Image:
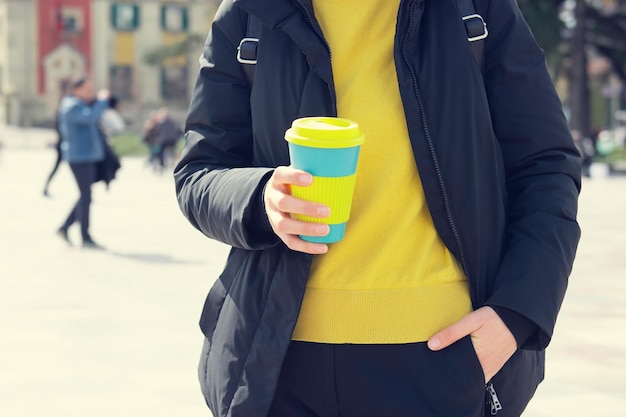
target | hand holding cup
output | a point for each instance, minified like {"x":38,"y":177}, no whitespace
{"x":281,"y":206}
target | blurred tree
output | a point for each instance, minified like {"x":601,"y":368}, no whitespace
{"x":189,"y":44}
{"x":570,"y":30}
{"x":607,"y":33}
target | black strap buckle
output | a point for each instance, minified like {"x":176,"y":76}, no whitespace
{"x":475,"y":27}
{"x":246,"y":51}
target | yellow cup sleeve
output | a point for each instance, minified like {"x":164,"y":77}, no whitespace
{"x":335,"y":192}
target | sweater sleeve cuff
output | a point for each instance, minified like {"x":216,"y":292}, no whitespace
{"x":521,"y":327}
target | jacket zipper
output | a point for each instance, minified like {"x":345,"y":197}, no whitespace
{"x":429,"y":141}
{"x":493,"y":400}
{"x":319,"y":33}
{"x":431,"y":147}
{"x":313,"y":23}
{"x":492,"y":397}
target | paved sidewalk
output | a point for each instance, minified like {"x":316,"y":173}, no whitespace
{"x":114,"y":333}
{"x":88,"y":333}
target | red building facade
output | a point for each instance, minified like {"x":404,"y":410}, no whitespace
{"x":64,"y":35}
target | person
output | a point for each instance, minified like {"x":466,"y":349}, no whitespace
{"x":161,"y":133}
{"x":57,"y":163}
{"x":82,"y":147}
{"x":443,"y":295}
{"x":57,"y":148}
{"x":152,"y":140}
{"x":169,"y":132}
{"x":586,"y":148}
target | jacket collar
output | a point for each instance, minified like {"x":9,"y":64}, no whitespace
{"x":273,"y":12}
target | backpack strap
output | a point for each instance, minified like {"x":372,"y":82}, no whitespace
{"x":476,"y":29}
{"x":247,"y":50}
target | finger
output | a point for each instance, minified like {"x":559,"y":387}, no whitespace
{"x":453,"y":333}
{"x":278,"y":193}
{"x":292,"y":205}
{"x":288,"y":229}
{"x":290,"y":176}
{"x":280,"y":205}
{"x":278,"y":198}
{"x":293,"y":242}
{"x":290,"y":226}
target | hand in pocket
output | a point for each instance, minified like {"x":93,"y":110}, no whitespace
{"x":493,"y":341}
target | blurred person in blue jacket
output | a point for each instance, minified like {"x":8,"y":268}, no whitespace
{"x":82,"y":147}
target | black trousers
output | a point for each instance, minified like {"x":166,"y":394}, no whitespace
{"x":408,"y":380}
{"x":85,"y":175}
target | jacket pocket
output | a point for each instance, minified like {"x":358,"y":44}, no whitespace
{"x":212,"y":307}
{"x":456,"y":380}
{"x":217,"y":294}
{"x":230,"y":320}
{"x":511,"y":389}
{"x":203,"y":372}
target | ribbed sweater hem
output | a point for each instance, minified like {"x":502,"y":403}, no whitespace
{"x":380,"y":316}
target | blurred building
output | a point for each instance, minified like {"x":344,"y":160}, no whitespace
{"x":145,"y":51}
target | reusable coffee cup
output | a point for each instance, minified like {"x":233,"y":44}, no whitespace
{"x":328,"y":149}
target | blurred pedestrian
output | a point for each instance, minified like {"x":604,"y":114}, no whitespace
{"x":443,"y":295}
{"x":57,"y":145}
{"x":82,"y":147}
{"x":162,"y":133}
{"x":57,"y":162}
{"x":152,"y":141}
{"x":169,"y":132}
{"x":586,"y":148}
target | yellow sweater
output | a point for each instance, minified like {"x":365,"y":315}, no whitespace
{"x":391,"y":279}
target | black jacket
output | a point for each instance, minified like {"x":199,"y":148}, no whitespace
{"x":106,"y":170}
{"x":499,"y":170}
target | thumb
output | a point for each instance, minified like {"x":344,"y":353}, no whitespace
{"x":453,"y":333}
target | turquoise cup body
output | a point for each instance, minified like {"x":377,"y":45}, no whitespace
{"x":328,"y":162}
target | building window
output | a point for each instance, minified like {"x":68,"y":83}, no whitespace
{"x":174,"y":18}
{"x":69,"y":20}
{"x":124,"y":16}
{"x":121,"y":81}
{"x":174,"y":81}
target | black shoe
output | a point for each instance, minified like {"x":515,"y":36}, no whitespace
{"x":62,"y":233}
{"x":90,"y":244}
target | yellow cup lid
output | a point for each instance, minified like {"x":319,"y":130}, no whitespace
{"x":325,"y":132}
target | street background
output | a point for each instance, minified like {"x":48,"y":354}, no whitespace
{"x":114,"y":333}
